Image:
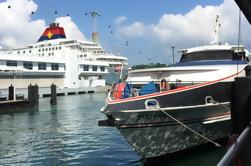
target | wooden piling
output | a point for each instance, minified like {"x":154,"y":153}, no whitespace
{"x":53,"y":100}
{"x":33,"y":94}
{"x":11,"y":92}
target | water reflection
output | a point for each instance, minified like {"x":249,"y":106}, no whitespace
{"x":67,"y":134}
{"x":60,"y":135}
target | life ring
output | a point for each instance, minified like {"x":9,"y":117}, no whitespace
{"x":164,"y":85}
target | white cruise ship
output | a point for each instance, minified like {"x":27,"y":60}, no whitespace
{"x":68,"y":63}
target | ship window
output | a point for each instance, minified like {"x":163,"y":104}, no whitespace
{"x":81,"y":56}
{"x":49,"y":49}
{"x":39,"y":50}
{"x":28,"y":65}
{"x":23,"y":52}
{"x":207,"y":55}
{"x":85,"y":55}
{"x":239,"y":56}
{"x":86,"y":68}
{"x":41,"y":66}
{"x":11,"y":63}
{"x":59,"y":47}
{"x":94,"y":68}
{"x":49,"y":54}
{"x":43,"y":49}
{"x":52,"y":48}
{"x":46,"y":49}
{"x":56,"y":48}
{"x":54,"y":66}
{"x":29,"y":51}
{"x":102,"y":68}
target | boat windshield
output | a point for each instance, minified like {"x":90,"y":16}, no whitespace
{"x":212,"y":55}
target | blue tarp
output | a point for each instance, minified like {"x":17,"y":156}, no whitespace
{"x":127,"y":91}
{"x":147,"y":89}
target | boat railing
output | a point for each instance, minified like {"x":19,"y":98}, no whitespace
{"x":239,"y":152}
{"x":135,"y":87}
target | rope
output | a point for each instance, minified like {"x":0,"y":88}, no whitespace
{"x":222,"y":105}
{"x":190,"y":129}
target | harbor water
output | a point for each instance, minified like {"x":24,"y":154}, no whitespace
{"x":68,"y":134}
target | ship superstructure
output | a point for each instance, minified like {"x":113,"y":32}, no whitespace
{"x":55,"y":59}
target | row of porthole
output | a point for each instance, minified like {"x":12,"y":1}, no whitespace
{"x":94,"y":68}
{"x":49,"y":49}
{"x":43,"y":49}
{"x":49,"y":54}
{"x":81,"y":56}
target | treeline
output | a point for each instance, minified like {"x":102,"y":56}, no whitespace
{"x":145,"y":66}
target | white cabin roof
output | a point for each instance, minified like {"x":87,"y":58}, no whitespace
{"x":226,"y":46}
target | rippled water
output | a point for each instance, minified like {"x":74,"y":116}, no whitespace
{"x":67,"y":134}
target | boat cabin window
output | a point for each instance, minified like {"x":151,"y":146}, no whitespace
{"x":208,"y":55}
{"x":41,"y":66}
{"x":94,"y":68}
{"x":28,"y":65}
{"x":102,"y":68}
{"x":11,"y":63}
{"x":86,"y":68}
{"x":240,"y":56}
{"x":54,"y":66}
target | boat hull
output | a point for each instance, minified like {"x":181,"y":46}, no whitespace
{"x":153,"y":133}
{"x":156,"y":141}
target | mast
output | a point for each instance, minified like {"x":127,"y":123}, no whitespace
{"x":216,"y":31}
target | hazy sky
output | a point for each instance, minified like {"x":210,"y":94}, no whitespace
{"x":142,"y":30}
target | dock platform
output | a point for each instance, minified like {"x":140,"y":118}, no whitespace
{"x":12,"y":103}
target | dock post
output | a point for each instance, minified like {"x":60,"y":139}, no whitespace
{"x":241,"y":104}
{"x":53,"y":100}
{"x":11,"y":92}
{"x":33,"y":94}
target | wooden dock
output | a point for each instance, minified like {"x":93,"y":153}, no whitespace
{"x":12,"y":103}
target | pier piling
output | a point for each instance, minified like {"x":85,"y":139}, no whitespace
{"x":53,"y":100}
{"x":11,"y":92}
{"x":241,"y":104}
{"x":33,"y":94}
{"x":239,"y":152}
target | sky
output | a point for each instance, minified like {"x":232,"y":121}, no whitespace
{"x":142,"y":30}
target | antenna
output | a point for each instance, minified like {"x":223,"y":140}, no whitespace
{"x":173,"y":53}
{"x":216,"y":31}
{"x":94,"y":16}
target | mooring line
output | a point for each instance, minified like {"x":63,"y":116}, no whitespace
{"x":229,"y":109}
{"x":190,"y":129}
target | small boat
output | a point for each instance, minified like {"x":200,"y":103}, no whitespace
{"x":165,"y":110}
